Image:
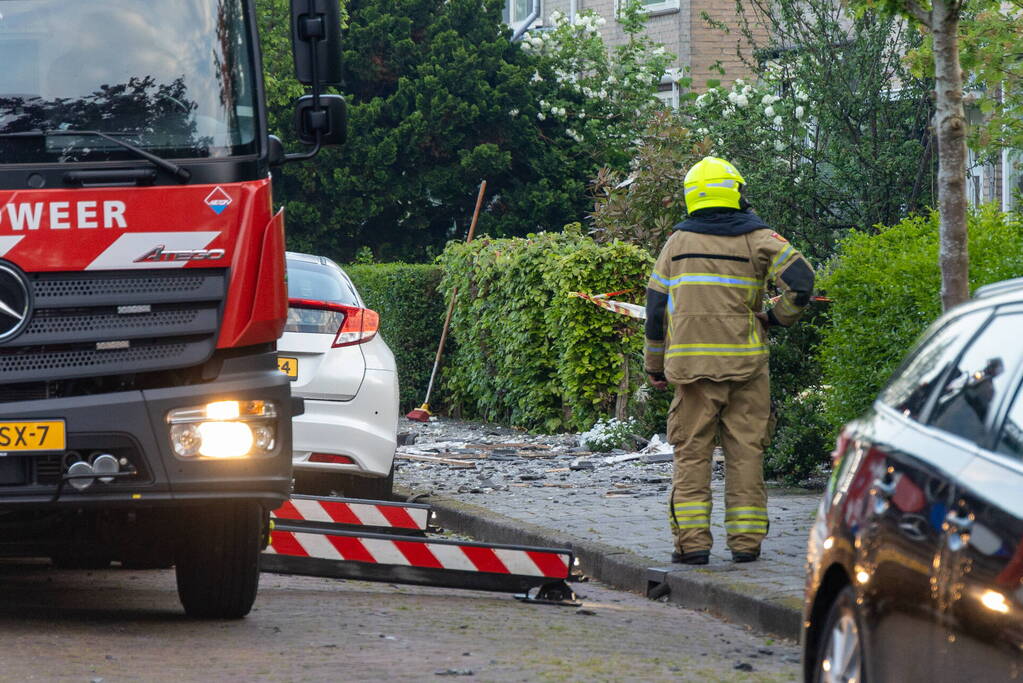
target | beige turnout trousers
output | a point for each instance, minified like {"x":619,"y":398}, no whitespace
{"x":738,"y":411}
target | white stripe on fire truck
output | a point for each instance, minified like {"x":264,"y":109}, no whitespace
{"x":8,"y":243}
{"x":125,"y":251}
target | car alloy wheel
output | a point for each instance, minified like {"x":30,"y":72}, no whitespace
{"x":842,"y":655}
{"x":840,"y":658}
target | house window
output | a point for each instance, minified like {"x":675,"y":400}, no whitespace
{"x":668,"y":90}
{"x":974,"y":179}
{"x":1012,"y":179}
{"x":517,"y":11}
{"x":653,"y":6}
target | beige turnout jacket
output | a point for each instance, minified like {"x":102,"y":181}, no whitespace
{"x":708,"y":282}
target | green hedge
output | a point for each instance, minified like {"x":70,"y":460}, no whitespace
{"x":527,"y":354}
{"x":886,"y":288}
{"x":411,"y":316}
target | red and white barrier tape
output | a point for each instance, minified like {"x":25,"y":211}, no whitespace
{"x":423,"y":554}
{"x":632,"y":310}
{"x":359,"y":514}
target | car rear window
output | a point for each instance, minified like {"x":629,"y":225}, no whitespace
{"x":320,"y":283}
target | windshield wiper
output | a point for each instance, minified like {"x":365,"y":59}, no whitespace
{"x":179,"y":172}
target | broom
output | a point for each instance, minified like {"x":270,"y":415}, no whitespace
{"x":422,"y":413}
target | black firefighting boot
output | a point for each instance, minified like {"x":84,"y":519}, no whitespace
{"x":745,"y":557}
{"x":695,"y":557}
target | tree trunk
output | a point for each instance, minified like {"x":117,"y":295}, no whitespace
{"x":622,"y":402}
{"x":950,"y":122}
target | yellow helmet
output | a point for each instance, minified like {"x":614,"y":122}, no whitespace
{"x":712,"y":182}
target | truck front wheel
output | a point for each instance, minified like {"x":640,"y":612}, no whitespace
{"x":218,"y":560}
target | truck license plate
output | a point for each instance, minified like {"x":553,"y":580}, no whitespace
{"x":289,"y":366}
{"x":19,"y":437}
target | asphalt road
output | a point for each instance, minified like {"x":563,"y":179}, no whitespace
{"x":119,"y":625}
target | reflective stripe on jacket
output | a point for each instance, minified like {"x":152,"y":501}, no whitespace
{"x":704,"y":291}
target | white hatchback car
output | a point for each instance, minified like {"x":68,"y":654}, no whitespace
{"x":331,"y":349}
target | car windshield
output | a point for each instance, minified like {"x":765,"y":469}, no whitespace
{"x":176,"y":78}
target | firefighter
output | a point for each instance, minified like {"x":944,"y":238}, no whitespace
{"x":706,"y":334}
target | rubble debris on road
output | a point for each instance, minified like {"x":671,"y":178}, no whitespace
{"x":451,"y":456}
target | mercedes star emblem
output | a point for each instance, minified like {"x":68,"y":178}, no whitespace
{"x":14,"y":302}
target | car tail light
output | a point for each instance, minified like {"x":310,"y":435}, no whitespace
{"x":841,"y":444}
{"x":349,"y":324}
{"x":334,"y":459}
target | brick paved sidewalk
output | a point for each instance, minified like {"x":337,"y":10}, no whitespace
{"x":641,"y":525}
{"x":635,"y":521}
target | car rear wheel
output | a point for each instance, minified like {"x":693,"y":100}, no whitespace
{"x":345,"y":485}
{"x":218,"y":561}
{"x":840,"y":656}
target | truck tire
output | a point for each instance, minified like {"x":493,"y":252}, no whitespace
{"x":218,"y":562}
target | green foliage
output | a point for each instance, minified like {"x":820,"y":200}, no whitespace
{"x":801,"y":441}
{"x":439,"y":99}
{"x":411,"y":316}
{"x":824,"y":140}
{"x":886,"y":290}
{"x":990,"y":42}
{"x":528,"y":354}
{"x":643,"y":211}
{"x":800,"y":447}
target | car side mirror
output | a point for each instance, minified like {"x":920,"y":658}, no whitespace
{"x":316,"y":41}
{"x":330,"y":119}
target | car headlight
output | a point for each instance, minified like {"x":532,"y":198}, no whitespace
{"x":224,"y":429}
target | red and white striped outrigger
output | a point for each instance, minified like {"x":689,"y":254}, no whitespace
{"x":358,"y":539}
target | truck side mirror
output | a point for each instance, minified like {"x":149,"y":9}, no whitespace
{"x":330,"y":118}
{"x":316,"y":41}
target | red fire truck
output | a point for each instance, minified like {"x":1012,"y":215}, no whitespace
{"x":142,"y":284}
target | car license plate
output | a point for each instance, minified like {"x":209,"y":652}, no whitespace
{"x":44,"y":435}
{"x":289,"y":366}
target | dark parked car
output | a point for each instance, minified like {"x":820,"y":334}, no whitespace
{"x":915,"y":562}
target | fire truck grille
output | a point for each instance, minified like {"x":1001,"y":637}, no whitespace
{"x":115,"y":323}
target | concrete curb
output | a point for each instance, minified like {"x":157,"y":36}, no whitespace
{"x":624,"y":569}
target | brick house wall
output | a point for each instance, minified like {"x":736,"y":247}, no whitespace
{"x":682,"y":31}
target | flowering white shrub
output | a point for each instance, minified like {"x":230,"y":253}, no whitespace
{"x":605,"y":97}
{"x":608,"y":434}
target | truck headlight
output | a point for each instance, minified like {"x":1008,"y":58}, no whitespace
{"x":224,"y":429}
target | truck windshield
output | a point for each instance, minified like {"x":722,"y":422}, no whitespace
{"x":175,"y":78}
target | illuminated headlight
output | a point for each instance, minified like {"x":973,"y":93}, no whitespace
{"x":224,"y":429}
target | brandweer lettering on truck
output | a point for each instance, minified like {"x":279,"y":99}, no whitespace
{"x":85,"y":215}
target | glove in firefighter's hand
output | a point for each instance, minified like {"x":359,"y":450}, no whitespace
{"x":658,"y":382}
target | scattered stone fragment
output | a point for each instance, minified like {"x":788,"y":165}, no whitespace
{"x":743,"y":666}
{"x":654,"y":458}
{"x":585,"y":612}
{"x":530,"y":477}
{"x":454,"y":672}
